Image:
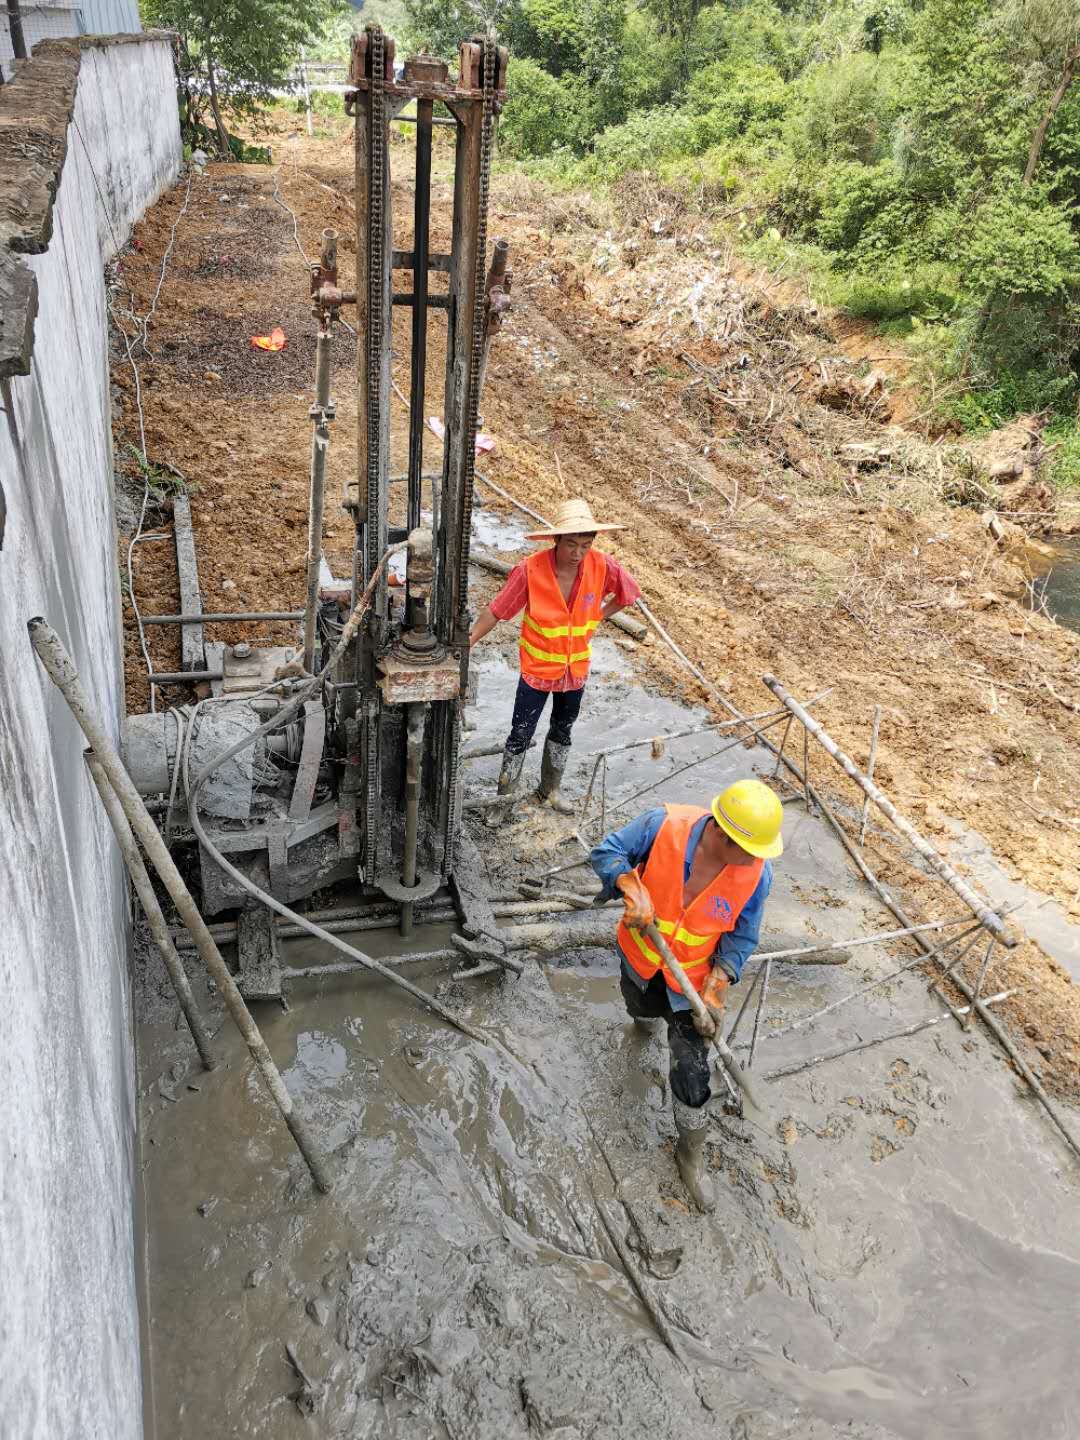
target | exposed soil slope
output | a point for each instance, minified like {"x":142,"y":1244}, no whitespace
{"x":775,"y":518}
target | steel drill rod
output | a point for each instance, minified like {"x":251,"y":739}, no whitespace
{"x":222,"y":615}
{"x":877,"y":939}
{"x":184,"y":677}
{"x":762,"y":1000}
{"x":880,"y":1039}
{"x":978,"y":906}
{"x":698,"y":1006}
{"x":159,"y":928}
{"x":61,"y":670}
{"x":320,"y":444}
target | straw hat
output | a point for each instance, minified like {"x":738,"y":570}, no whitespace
{"x":573,"y":517}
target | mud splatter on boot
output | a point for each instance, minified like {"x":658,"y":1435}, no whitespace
{"x":693,"y":1128}
{"x":551,"y":774}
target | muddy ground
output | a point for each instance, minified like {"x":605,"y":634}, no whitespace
{"x":894,"y":1252}
{"x":760,"y":537}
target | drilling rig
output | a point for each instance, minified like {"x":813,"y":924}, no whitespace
{"x":363,"y":784}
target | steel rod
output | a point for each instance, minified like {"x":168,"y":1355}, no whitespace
{"x":880,"y":1039}
{"x":349,"y":967}
{"x":223,"y":615}
{"x":418,"y":353}
{"x":321,"y":414}
{"x":746,"y":1002}
{"x":871,"y":762}
{"x":159,"y":928}
{"x":979,"y":908}
{"x":414,"y":743}
{"x":877,"y":939}
{"x":61,"y":670}
{"x":184,"y":677}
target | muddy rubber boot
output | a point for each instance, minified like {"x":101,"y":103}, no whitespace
{"x":643,"y":1028}
{"x":693,"y":1128}
{"x":510,"y":775}
{"x":551,"y":773}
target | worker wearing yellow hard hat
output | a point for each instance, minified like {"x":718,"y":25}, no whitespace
{"x":702,"y":876}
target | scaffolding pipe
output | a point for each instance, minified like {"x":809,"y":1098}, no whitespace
{"x":322,"y":412}
{"x":159,"y":929}
{"x":988,"y":918}
{"x":61,"y":670}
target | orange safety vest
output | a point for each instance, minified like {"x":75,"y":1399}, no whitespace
{"x":555,"y":639}
{"x":692,"y":933}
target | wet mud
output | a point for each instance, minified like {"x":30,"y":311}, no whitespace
{"x":894,"y":1252}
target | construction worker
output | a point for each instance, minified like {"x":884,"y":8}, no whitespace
{"x":565,"y":592}
{"x":703,"y":877}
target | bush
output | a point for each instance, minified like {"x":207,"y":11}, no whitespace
{"x":730,"y":99}
{"x":845,"y":111}
{"x":1065,"y":464}
{"x":542,"y":113}
{"x":643,"y":141}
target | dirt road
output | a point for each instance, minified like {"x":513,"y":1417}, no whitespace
{"x":774,"y":519}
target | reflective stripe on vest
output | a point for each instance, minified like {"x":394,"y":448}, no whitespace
{"x":551,"y":636}
{"x":693,"y":932}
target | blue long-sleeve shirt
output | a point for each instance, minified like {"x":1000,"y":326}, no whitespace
{"x":629,"y":847}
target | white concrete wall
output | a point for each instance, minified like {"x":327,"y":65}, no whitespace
{"x":69,"y":1328}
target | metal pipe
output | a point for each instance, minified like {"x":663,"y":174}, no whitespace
{"x":414,"y":744}
{"x":223,"y":615}
{"x":15,"y":25}
{"x":421,"y":245}
{"x":184,"y":677}
{"x":321,"y":413}
{"x":975,"y":902}
{"x":435,"y":119}
{"x":61,"y":670}
{"x":159,"y":929}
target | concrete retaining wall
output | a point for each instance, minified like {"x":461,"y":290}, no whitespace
{"x":69,"y":1348}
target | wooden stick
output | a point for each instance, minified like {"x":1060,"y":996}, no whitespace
{"x":871,"y":985}
{"x":979,"y":908}
{"x":760,"y":1011}
{"x":869,"y":772}
{"x":159,"y":928}
{"x":61,"y":670}
{"x":712,"y":1030}
{"x":878,"y":1040}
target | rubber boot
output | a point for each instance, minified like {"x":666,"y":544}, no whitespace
{"x":551,"y":773}
{"x":644,"y":1027}
{"x":693,"y":1128}
{"x":513,"y":762}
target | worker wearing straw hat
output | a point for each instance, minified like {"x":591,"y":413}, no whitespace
{"x":702,"y":877}
{"x":564,"y":593}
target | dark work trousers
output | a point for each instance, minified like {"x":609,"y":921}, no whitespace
{"x":689,"y":1051}
{"x":528,"y":706}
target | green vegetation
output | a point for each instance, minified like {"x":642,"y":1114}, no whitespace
{"x":919,"y":161}
{"x":233,"y":55}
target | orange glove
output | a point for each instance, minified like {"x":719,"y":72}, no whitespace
{"x":639,"y":910}
{"x":714,"y":993}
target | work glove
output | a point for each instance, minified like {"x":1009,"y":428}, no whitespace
{"x":639,"y":910}
{"x":714,"y":995}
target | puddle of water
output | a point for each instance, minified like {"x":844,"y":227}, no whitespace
{"x":1041,"y":917}
{"x":490,"y":530}
{"x":1059,"y":586}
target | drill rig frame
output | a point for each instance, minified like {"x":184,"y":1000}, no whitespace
{"x":365,"y":783}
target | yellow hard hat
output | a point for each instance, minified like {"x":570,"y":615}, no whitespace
{"x":750,"y":813}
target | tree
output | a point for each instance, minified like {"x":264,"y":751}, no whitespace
{"x":241,"y":50}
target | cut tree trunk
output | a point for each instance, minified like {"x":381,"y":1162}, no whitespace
{"x":223,"y":134}
{"x":1068,"y":74}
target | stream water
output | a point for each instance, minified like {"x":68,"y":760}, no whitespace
{"x":1059,"y":586}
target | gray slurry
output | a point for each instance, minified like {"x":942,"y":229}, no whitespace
{"x":895,"y":1252}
